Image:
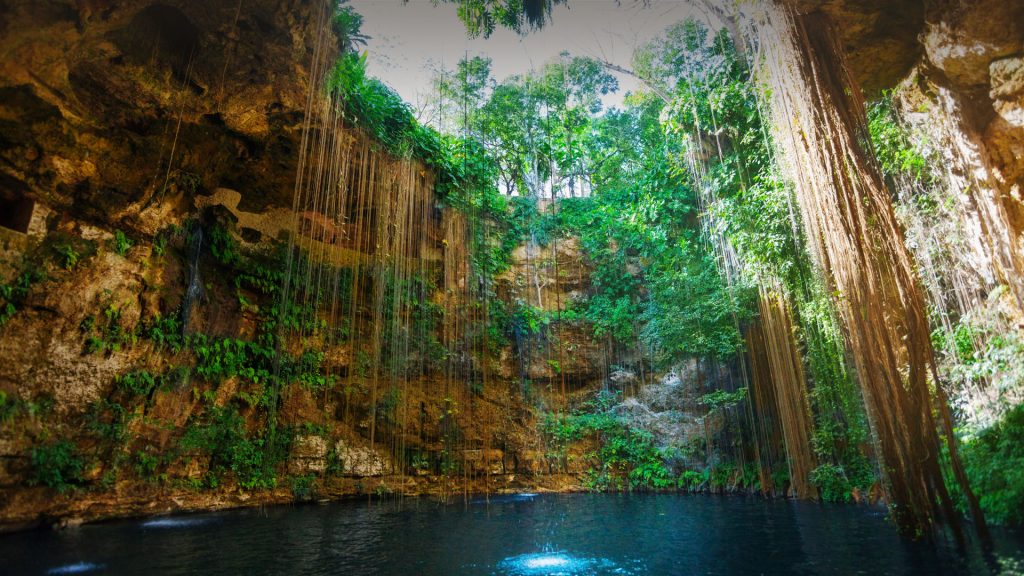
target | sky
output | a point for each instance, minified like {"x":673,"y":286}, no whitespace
{"x":411,"y":40}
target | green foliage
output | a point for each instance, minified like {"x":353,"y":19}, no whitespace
{"x":13,"y":295}
{"x":994,"y":461}
{"x":107,"y":333}
{"x":223,"y":246}
{"x":159,"y":245}
{"x":68,"y":255}
{"x":694,"y":480}
{"x":714,"y":109}
{"x":983,"y":350}
{"x":138,"y":383}
{"x":372,"y":106}
{"x":121,"y":243}
{"x":841,"y":427}
{"x":165,"y":332}
{"x":146,"y":464}
{"x":386,"y":410}
{"x":481,"y":17}
{"x":714,"y":112}
{"x":304,"y":488}
{"x":525,"y":319}
{"x":836,"y":484}
{"x":108,"y":420}
{"x":627,"y":458}
{"x":9,"y":408}
{"x":69,"y":250}
{"x":347,"y":25}
{"x":221,"y":434}
{"x":56,"y":465}
{"x":218,"y":359}
{"x":897,"y":153}
{"x":721,"y":399}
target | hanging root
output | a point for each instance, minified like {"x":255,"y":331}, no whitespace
{"x":819,"y":123}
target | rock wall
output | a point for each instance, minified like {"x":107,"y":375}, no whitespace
{"x":126,"y":127}
{"x":959,"y":69}
{"x":958,"y":80}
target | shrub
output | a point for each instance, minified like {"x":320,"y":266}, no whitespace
{"x":138,"y":383}
{"x":8,"y":408}
{"x":121,"y":243}
{"x":252,"y":460}
{"x":304,"y":488}
{"x":56,"y":465}
{"x":994,"y":461}
{"x":68,"y":255}
{"x":146,"y":464}
{"x":108,"y":420}
{"x":832,"y":484}
{"x":13,"y":295}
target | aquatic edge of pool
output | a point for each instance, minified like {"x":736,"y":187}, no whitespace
{"x":515,"y":535}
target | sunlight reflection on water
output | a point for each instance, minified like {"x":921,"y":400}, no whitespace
{"x":557,"y":564}
{"x":77,"y":568}
{"x":175,"y":522}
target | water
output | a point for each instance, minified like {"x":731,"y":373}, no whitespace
{"x":520,"y":535}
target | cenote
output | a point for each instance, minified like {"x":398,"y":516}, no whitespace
{"x":512,"y":535}
{"x":698,"y":286}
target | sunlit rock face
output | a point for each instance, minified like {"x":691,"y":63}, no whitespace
{"x":972,"y":51}
{"x":974,"y":68}
{"x":957,"y":72}
{"x":881,"y":37}
{"x":962,"y":39}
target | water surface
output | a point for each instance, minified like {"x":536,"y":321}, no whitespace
{"x":518,"y":535}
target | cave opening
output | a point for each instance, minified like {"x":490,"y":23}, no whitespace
{"x":16,"y":211}
{"x":160,"y":33}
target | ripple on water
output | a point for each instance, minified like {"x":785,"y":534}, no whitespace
{"x":76,"y":568}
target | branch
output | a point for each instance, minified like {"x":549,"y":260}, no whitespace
{"x":649,"y":84}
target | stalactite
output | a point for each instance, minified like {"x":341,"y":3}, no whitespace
{"x":819,"y":122}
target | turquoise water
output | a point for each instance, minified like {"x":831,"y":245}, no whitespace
{"x":521,"y":535}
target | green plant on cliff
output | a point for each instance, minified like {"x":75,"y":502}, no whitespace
{"x":165,"y":332}
{"x":347,"y":25}
{"x":68,"y":255}
{"x":221,"y":434}
{"x":137,"y":383}
{"x":897,"y":152}
{"x":223,"y":246}
{"x":994,"y":461}
{"x":108,"y":420}
{"x":9,"y":408}
{"x":626,"y":458}
{"x":721,"y":399}
{"x":121,"y":243}
{"x":56,"y":465}
{"x":107,"y":333}
{"x":304,"y":488}
{"x":69,"y":250}
{"x":14,"y":294}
